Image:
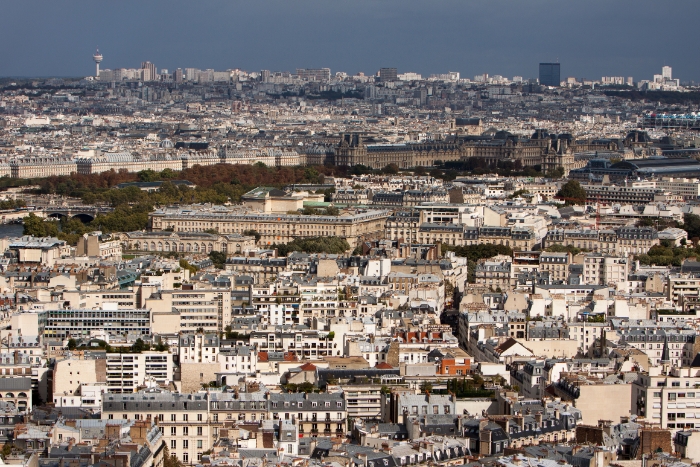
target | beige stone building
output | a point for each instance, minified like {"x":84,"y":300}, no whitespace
{"x":70,"y":373}
{"x":42,"y":166}
{"x":188,"y":242}
{"x":189,"y":309}
{"x":273,"y":228}
{"x":183,"y":418}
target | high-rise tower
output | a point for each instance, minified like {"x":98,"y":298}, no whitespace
{"x":98,"y":58}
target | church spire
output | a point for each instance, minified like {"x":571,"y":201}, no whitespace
{"x":665,"y":354}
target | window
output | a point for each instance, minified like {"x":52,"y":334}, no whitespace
{"x":160,"y":417}
{"x":185,"y":417}
{"x":185,"y":444}
{"x":173,"y":431}
{"x":675,"y":384}
{"x":657,"y":394}
{"x":172,"y":417}
{"x":447,"y":409}
{"x":672,"y":396}
{"x":199,"y":431}
{"x":111,"y":416}
{"x":199,"y":444}
{"x":185,"y":431}
{"x":185,"y":458}
{"x":436,"y":410}
{"x":173,"y":444}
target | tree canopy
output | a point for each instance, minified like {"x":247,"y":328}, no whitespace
{"x":572,"y":193}
{"x":330,"y":245}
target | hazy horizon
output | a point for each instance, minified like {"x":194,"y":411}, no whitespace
{"x":43,"y":38}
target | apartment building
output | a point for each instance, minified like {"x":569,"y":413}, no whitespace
{"x":682,"y":287}
{"x":556,"y":265}
{"x":239,"y":407}
{"x":668,"y":397}
{"x":322,"y":414}
{"x":198,"y":348}
{"x":494,"y":274}
{"x":190,"y":310}
{"x":182,"y":418}
{"x":127,"y":372}
{"x":305,"y":343}
{"x":622,"y":241}
{"x":605,"y":270}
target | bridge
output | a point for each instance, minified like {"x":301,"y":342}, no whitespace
{"x":83,"y":213}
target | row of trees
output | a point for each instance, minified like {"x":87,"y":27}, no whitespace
{"x":329,"y":245}
{"x":137,"y":347}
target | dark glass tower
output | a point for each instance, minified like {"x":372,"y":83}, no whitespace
{"x":550,"y":74}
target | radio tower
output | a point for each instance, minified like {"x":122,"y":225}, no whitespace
{"x":98,"y":58}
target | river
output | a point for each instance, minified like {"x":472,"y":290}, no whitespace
{"x":11,"y":230}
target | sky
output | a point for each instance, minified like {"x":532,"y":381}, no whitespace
{"x":590,"y":38}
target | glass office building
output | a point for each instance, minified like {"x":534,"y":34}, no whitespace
{"x":550,"y":74}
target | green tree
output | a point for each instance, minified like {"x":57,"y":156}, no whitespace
{"x":148,"y":175}
{"x":168,"y":174}
{"x":38,"y":227}
{"x":572,"y":193}
{"x":184,"y":264}
{"x":330,"y":245}
{"x":691,"y":224}
{"x":72,"y":344}
{"x":6,"y":450}
{"x":519,"y":193}
{"x":253,"y":233}
{"x":390,"y":169}
{"x":426,"y":387}
{"x":171,"y":460}
{"x":218,"y":258}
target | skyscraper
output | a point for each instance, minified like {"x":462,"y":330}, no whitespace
{"x":149,"y":71}
{"x":550,"y":74}
{"x":388,"y":74}
{"x":667,"y":73}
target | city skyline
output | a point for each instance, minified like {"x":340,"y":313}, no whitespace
{"x":474,"y":38}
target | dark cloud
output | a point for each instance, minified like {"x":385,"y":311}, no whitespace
{"x":590,"y":38}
